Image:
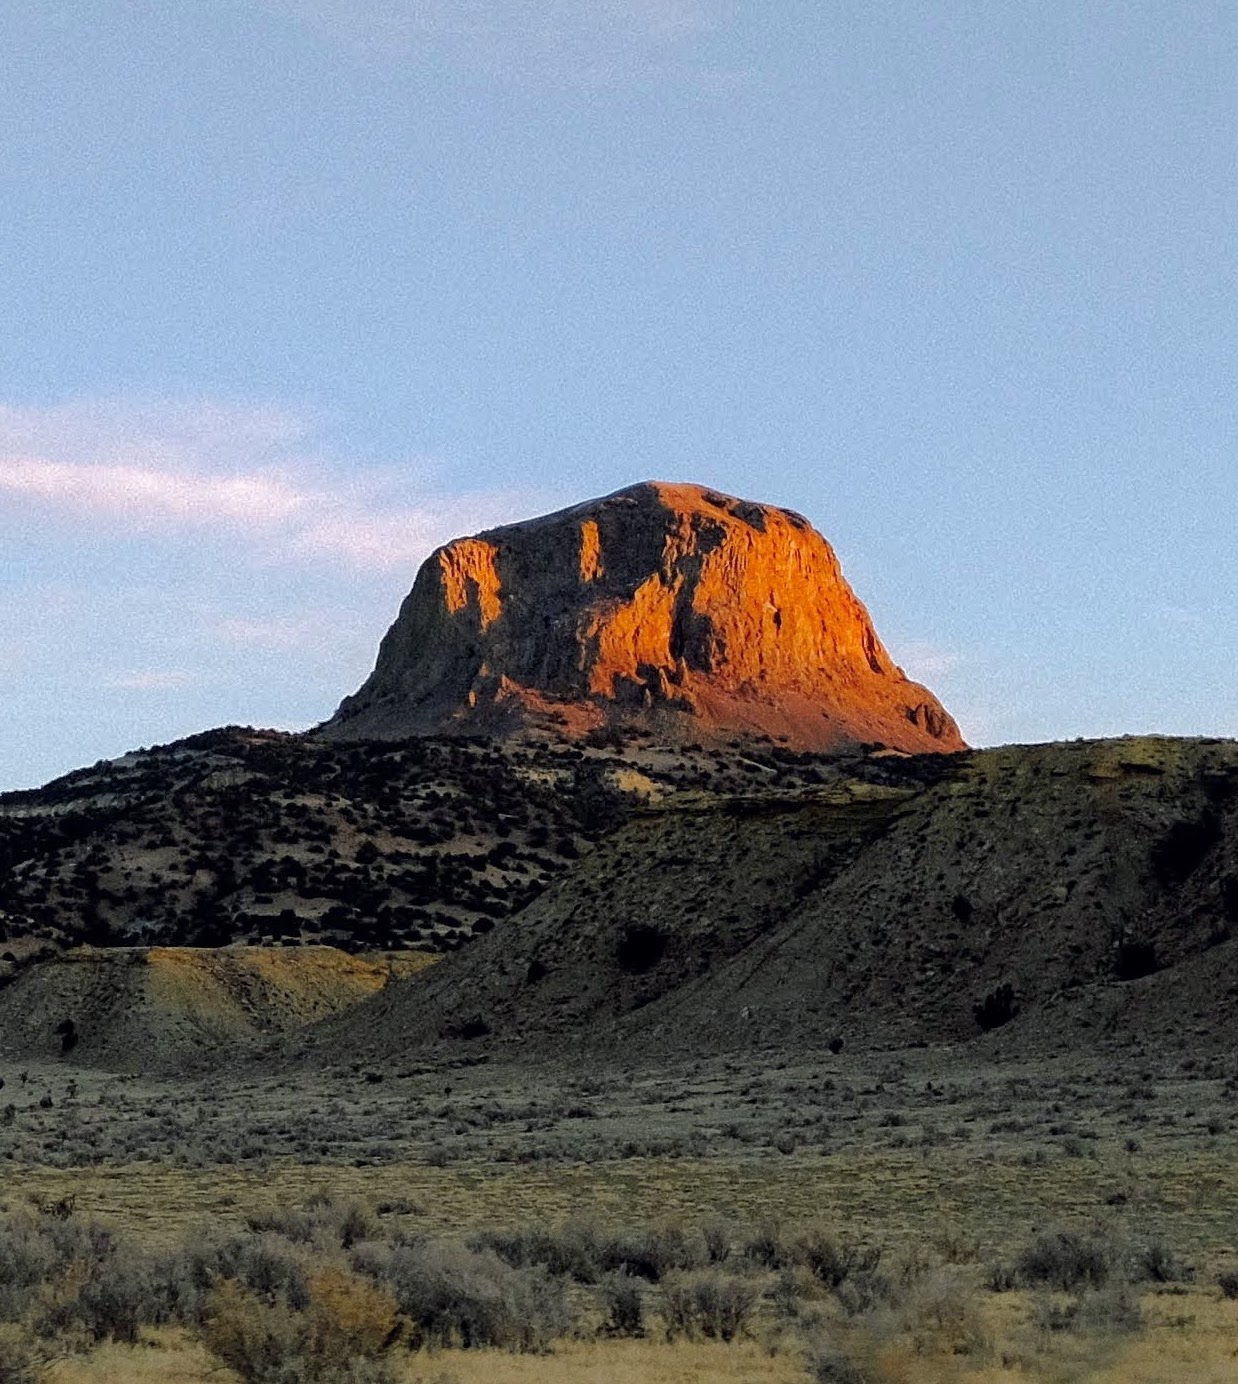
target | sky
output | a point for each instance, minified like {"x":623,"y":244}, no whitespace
{"x":293,"y":290}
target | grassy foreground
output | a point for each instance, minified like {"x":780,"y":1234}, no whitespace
{"x":1188,"y":1339}
{"x":1184,"y":1192}
{"x":841,"y":1221}
{"x":174,"y":1358}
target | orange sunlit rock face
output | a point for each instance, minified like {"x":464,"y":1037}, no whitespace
{"x":670,"y":608}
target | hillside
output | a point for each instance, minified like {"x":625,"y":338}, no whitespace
{"x":255,"y":836}
{"x":923,"y":901}
{"x":1031,"y":897}
{"x":176,"y":1008}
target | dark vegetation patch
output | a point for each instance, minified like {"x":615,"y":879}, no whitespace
{"x":997,"y":1008}
{"x":1134,"y":959}
{"x":641,"y":947}
{"x":1185,"y":847}
{"x":238,"y":835}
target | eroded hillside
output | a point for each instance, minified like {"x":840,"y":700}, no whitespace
{"x":174,"y":1009}
{"x":670,"y":901}
{"x":997,"y":889}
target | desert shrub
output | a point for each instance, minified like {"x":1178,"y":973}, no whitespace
{"x":1228,"y":1284}
{"x":456,"y":1296}
{"x":864,"y":1291}
{"x":1113,"y":1310}
{"x":349,"y":1317}
{"x":267,"y":1264}
{"x":580,"y":1251}
{"x":765,"y":1247}
{"x":795,"y":1295}
{"x":1001,"y":1278}
{"x":291,"y":1223}
{"x":828,"y":1364}
{"x":572,"y":1250}
{"x":652,"y":1252}
{"x":27,"y":1259}
{"x":997,"y":1008}
{"x":341,"y":1339}
{"x":1155,"y":1262}
{"x":709,"y":1302}
{"x":61,"y":1275}
{"x":716,"y":1237}
{"x":942,"y":1317}
{"x":108,"y":1298}
{"x":354,"y":1222}
{"x":832,"y":1261}
{"x":264,"y":1342}
{"x":623,"y":1299}
{"x":955,"y":1246}
{"x":322,"y":1220}
{"x":19,"y":1356}
{"x":1065,"y":1261}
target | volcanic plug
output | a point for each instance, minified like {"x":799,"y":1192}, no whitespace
{"x":667,"y":610}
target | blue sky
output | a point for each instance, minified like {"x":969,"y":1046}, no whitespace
{"x":295,"y":289}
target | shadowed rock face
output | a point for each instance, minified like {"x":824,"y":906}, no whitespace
{"x":668,"y":608}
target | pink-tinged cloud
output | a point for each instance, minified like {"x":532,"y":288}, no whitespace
{"x":144,"y":496}
{"x":231,"y":472}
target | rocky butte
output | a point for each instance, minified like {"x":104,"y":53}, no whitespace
{"x":668,"y":609}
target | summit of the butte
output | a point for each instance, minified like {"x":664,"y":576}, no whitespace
{"x":668,"y":609}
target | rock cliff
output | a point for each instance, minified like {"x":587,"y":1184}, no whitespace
{"x":668,"y":609}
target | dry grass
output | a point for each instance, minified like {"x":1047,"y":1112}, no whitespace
{"x":1188,"y":1338}
{"x":613,"y":1362}
{"x":172,"y":1358}
{"x":164,"y":1357}
{"x":1127,"y":1155}
{"x":1184,"y":1194}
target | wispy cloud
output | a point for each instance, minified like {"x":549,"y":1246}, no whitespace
{"x":922,"y":661}
{"x":249,"y":474}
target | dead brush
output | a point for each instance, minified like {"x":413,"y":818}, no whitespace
{"x":343,"y":1337}
{"x":834,"y":1261}
{"x":942,"y":1317}
{"x":350,"y":1317}
{"x":863,"y":1361}
{"x":709,"y":1303}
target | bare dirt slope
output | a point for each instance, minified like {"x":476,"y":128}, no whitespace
{"x":1027,"y":894}
{"x":169,"y":1008}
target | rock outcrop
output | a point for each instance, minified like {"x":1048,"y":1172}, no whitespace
{"x":668,"y":609}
